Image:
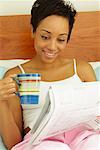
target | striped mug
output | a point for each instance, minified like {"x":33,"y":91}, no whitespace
{"x":28,"y":87}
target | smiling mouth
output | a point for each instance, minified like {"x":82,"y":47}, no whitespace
{"x":49,"y":54}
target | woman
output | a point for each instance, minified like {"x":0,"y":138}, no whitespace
{"x":52,"y":22}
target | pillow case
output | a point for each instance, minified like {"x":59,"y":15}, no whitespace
{"x":5,"y":65}
{"x":12,"y":63}
{"x":2,"y":147}
{"x":95,"y":64}
{"x":96,"y":67}
{"x":3,"y":70}
{"x":97,"y":72}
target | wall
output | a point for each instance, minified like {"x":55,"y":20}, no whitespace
{"x":14,"y":7}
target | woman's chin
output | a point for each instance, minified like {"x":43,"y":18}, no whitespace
{"x":48,"y":60}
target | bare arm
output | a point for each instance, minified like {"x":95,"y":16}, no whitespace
{"x":9,"y":130}
{"x":10,"y":113}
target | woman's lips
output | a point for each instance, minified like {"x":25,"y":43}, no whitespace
{"x":49,"y":54}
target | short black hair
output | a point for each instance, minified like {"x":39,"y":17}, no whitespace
{"x":44,"y":8}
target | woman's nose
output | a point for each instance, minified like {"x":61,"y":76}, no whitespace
{"x":52,"y":45}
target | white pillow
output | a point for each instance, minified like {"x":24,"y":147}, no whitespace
{"x":5,"y":65}
{"x":3,"y":70}
{"x":95,"y":64}
{"x":12,"y":63}
{"x":96,"y":67}
{"x":2,"y":146}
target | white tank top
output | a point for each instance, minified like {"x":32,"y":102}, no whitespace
{"x":31,"y":114}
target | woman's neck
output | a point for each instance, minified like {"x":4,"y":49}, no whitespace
{"x":43,"y":65}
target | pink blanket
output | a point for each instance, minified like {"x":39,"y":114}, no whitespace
{"x":80,"y":138}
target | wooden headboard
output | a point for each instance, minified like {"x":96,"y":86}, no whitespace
{"x":16,"y":37}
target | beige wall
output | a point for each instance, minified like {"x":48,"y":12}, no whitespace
{"x":14,"y":7}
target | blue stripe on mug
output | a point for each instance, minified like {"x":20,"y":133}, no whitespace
{"x":29,"y":99}
{"x":29,"y":74}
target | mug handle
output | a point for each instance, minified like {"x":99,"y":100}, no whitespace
{"x":18,"y":83}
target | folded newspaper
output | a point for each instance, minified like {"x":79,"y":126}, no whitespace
{"x":66,"y":107}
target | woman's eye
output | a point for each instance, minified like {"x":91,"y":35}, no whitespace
{"x":61,"y":40}
{"x":44,"y":37}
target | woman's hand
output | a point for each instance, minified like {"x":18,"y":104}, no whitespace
{"x":7,"y":87}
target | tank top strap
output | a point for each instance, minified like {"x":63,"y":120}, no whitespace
{"x":75,"y":66}
{"x":21,"y":68}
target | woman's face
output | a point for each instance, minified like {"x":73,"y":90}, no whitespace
{"x":50,"y":38}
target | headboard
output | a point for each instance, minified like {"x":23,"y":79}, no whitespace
{"x":16,"y":37}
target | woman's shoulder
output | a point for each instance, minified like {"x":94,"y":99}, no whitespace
{"x":83,"y":65}
{"x":12,"y":71}
{"x":85,"y":71}
{"x":18,"y":69}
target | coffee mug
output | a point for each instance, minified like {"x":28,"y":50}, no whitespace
{"x":28,"y":87}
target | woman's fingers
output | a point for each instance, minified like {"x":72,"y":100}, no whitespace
{"x":8,"y":87}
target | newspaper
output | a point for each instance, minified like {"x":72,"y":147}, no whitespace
{"x":67,"y":106}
